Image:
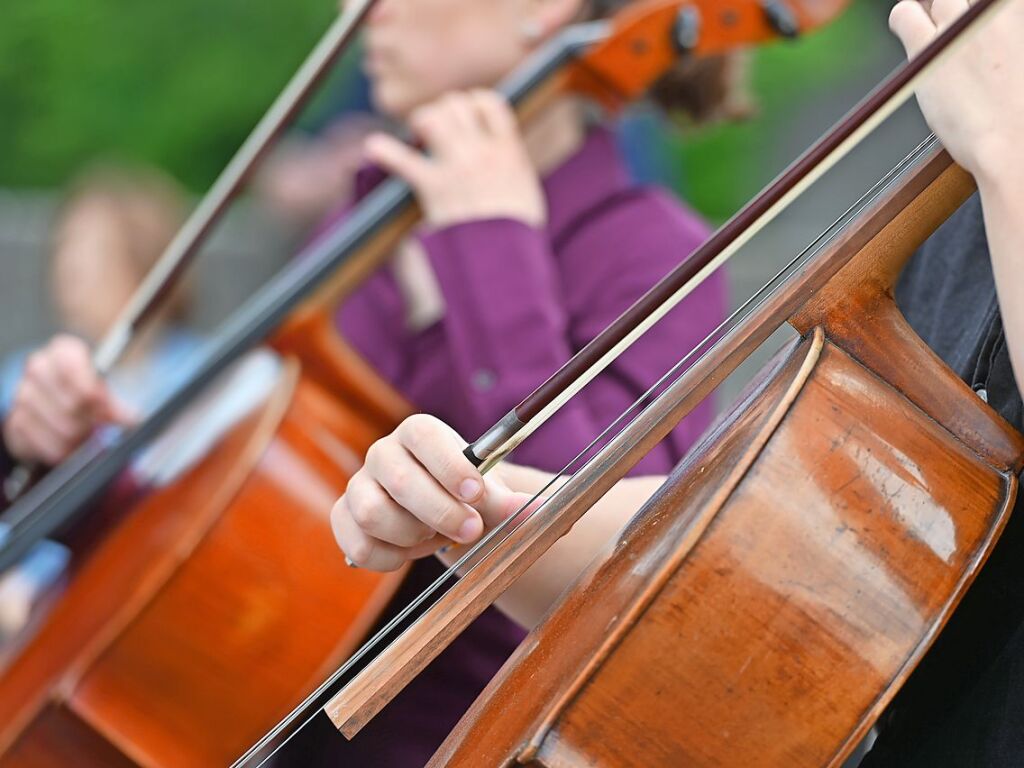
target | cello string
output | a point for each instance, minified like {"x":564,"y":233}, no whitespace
{"x":59,"y":498}
{"x":311,"y":707}
{"x":179,"y":253}
{"x":861,"y":122}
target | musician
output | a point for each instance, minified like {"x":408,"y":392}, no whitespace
{"x":963,"y":292}
{"x":109,"y":230}
{"x":533,"y":242}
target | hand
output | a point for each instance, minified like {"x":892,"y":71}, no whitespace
{"x":974,"y":101}
{"x":477,"y":166}
{"x":59,"y":402}
{"x":415,"y":494}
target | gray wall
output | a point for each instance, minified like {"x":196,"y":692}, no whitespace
{"x":242,"y":255}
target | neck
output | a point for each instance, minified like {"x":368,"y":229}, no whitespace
{"x":555,"y":134}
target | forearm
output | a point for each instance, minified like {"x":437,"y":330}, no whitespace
{"x":1002,"y":196}
{"x":530,"y":597}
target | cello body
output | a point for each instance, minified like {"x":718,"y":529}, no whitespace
{"x":768,"y":602}
{"x":216,"y":603}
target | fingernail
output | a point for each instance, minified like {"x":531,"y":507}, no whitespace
{"x":469,"y":490}
{"x":470,"y":530}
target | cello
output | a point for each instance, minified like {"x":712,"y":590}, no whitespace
{"x":767,"y":603}
{"x":115,"y":670}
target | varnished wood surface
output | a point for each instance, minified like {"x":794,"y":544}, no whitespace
{"x":768,"y":603}
{"x":857,"y":310}
{"x":927,"y":187}
{"x":765,"y":606}
{"x":213,"y":608}
{"x":58,"y":739}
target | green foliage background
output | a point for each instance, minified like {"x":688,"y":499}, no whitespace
{"x":180,"y":83}
{"x":175,"y":82}
{"x":729,"y":163}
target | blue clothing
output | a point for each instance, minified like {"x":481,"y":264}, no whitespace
{"x":140,"y":385}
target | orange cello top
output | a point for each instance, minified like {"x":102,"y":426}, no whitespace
{"x":647,"y":38}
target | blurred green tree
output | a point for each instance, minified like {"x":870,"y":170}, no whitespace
{"x":814,"y":78}
{"x":177,"y":83}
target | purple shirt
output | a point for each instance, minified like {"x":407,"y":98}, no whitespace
{"x":519,"y":302}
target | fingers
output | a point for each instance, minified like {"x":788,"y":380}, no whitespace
{"x":415,"y":490}
{"x":398,"y":158}
{"x":917,"y":24}
{"x":378,"y":515}
{"x":476,"y":164}
{"x":439,"y":449}
{"x":60,"y":400}
{"x":494,"y":113}
{"x":71,"y":362}
{"x":460,"y":121}
{"x":458,"y":113}
{"x":415,"y":493}
{"x":945,"y":12}
{"x":911,"y":23}
{"x":113,"y":411}
{"x":75,"y":382}
{"x":366,"y":551}
{"x":29,"y":438}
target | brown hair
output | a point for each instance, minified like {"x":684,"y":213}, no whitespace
{"x":698,"y":90}
{"x":146,"y":205}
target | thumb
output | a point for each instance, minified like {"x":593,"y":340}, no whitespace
{"x":113,"y":410}
{"x":500,"y":502}
{"x":398,"y":158}
{"x":911,"y":23}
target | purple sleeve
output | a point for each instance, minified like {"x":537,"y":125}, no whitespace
{"x":504,"y":316}
{"x":516,"y":312}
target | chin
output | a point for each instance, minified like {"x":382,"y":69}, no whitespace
{"x":392,"y":102}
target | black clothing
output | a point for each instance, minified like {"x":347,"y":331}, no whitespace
{"x":964,"y":705}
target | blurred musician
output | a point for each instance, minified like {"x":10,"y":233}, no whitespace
{"x":108,"y":232}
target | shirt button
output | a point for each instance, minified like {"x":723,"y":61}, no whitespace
{"x":983,"y":394}
{"x":483,"y":380}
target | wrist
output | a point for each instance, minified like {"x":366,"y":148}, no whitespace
{"x":453,"y":217}
{"x":1002,"y":188}
{"x":997,"y":167}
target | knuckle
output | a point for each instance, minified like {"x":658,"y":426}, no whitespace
{"x":414,"y":430}
{"x":399,"y":481}
{"x":69,"y":351}
{"x":360,"y":552}
{"x":424,"y":117}
{"x":372,"y":454}
{"x":455,"y":99}
{"x":36,"y":365}
{"x":363,"y":514}
{"x":376,"y":459}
